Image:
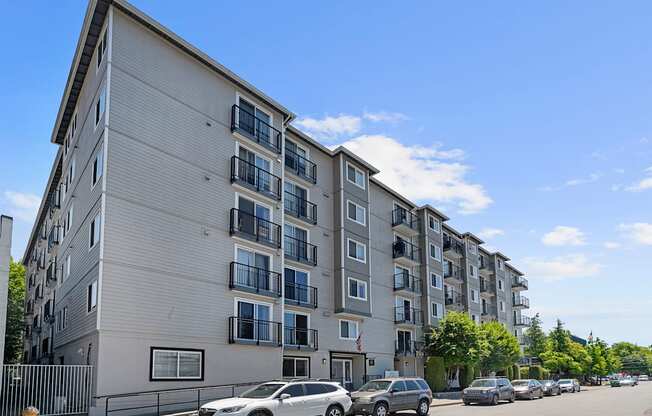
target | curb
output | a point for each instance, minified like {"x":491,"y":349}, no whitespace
{"x":446,"y":404}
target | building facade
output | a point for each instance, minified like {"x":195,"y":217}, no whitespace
{"x":190,"y":235}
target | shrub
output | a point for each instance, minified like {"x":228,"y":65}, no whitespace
{"x":524,"y":372}
{"x":510,"y":373}
{"x":436,"y":374}
{"x":466,"y":376}
{"x":536,"y":372}
{"x":476,"y":372}
{"x":516,"y":372}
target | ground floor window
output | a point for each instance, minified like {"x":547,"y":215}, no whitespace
{"x":176,"y":364}
{"x":296,"y":367}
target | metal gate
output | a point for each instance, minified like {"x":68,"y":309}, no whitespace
{"x":53,"y":389}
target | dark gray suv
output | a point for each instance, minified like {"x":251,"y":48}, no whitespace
{"x":489,"y":390}
{"x":389,"y":395}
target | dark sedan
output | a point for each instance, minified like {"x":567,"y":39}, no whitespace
{"x":527,"y":389}
{"x":551,"y":388}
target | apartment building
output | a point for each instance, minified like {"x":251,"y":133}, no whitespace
{"x":189,"y":235}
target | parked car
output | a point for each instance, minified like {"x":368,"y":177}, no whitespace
{"x":380,"y":397}
{"x":489,"y":390}
{"x":643,"y":377}
{"x":623,"y":382}
{"x":527,"y":389}
{"x":551,"y":388}
{"x":303,"y":397}
{"x":569,"y":385}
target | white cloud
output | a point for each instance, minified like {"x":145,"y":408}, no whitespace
{"x":639,"y":232}
{"x":330,"y":128}
{"x":563,"y":236}
{"x":594,"y":177}
{"x":487,"y":233}
{"x":22,"y":206}
{"x":643,"y":184}
{"x":611,"y":245}
{"x":384,"y":116}
{"x":422,"y":173}
{"x":561,"y":267}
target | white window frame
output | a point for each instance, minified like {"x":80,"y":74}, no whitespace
{"x":200,"y":353}
{"x":501,"y":285}
{"x":475,"y":296}
{"x":101,"y":102}
{"x":68,"y":219}
{"x":501,"y":305}
{"x":501,"y":265}
{"x":67,"y":266}
{"x":438,"y":254}
{"x":295,"y":359}
{"x":473,"y":271}
{"x":364,"y":246}
{"x":364,"y":213}
{"x":101,"y":49}
{"x":434,"y":220}
{"x":358,"y":283}
{"x":349,"y":322}
{"x":439,"y":278}
{"x":435,"y":309}
{"x":357,"y":170}
{"x":257,"y":106}
{"x":91,"y":297}
{"x":475,"y":318}
{"x":473,"y":248}
{"x":97,"y":168}
{"x":94,"y":235}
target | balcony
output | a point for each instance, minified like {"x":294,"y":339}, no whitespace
{"x":453,"y":247}
{"x":301,"y":338}
{"x":488,"y":313}
{"x":453,"y":274}
{"x":253,"y":128}
{"x":300,"y":166}
{"x":487,"y":288}
{"x":408,"y":316}
{"x":454,"y":300}
{"x":406,"y":281}
{"x":408,"y":252}
{"x":300,"y":208}
{"x":36,"y":328}
{"x":29,"y":308}
{"x":54,"y":236}
{"x":254,"y":228}
{"x":257,"y":179}
{"x":300,"y":251}
{"x":522,"y":321}
{"x":486,"y":267}
{"x":301,"y":295}
{"x":51,"y":274}
{"x":520,"y":302}
{"x":254,"y":332}
{"x":254,"y":280}
{"x":407,"y":348}
{"x":519,"y":283}
{"x":405,"y":221}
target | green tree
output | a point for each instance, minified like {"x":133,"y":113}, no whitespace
{"x":599,"y":353}
{"x":15,"y":313}
{"x":633,"y":359}
{"x":535,"y":338}
{"x":502,"y":348}
{"x":562,"y":355}
{"x":436,"y":374}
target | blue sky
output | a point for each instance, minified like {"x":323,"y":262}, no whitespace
{"x":526,"y":123}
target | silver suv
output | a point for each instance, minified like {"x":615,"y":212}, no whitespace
{"x":389,"y":395}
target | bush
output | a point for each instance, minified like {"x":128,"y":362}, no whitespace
{"x":516,"y":372}
{"x":476,"y":372}
{"x":436,"y":374}
{"x":502,"y":373}
{"x":536,"y":372}
{"x":510,"y":373}
{"x":466,"y":376}
{"x":546,"y":374}
{"x":524,"y":372}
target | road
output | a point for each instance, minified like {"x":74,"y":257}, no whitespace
{"x":622,"y":401}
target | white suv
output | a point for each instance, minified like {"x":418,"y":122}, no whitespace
{"x":284,"y":398}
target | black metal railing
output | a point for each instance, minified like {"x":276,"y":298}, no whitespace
{"x":407,"y":347}
{"x":247,"y":174}
{"x":522,"y":321}
{"x":255,"y":228}
{"x":406,"y":315}
{"x":519,"y":282}
{"x":520,"y":301}
{"x":51,"y":273}
{"x":54,"y":236}
{"x":29,"y":307}
{"x":485,"y":264}
{"x":254,"y":331}
{"x":301,"y":338}
{"x":453,"y":298}
{"x":301,"y":251}
{"x":406,"y":281}
{"x":301,"y":295}
{"x":487,"y":286}
{"x":453,"y":272}
{"x":401,"y":216}
{"x":300,"y":166}
{"x":402,"y":248}
{"x":36,"y":327}
{"x":256,"y":129}
{"x":489,"y":311}
{"x":453,"y":245}
{"x":254,"y":279}
{"x":300,"y":208}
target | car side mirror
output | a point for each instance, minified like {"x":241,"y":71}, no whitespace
{"x":284,"y":396}
{"x":392,"y":391}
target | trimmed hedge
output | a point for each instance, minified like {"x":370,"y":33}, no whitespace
{"x":510,"y":373}
{"x":524,"y":372}
{"x":516,"y":372}
{"x":536,"y":372}
{"x":476,"y":372}
{"x":436,"y":374}
{"x":466,"y":376}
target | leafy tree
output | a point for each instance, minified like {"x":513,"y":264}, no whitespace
{"x":599,"y":353}
{"x":502,"y":348}
{"x":436,"y":374}
{"x":562,"y":355}
{"x":633,"y":359}
{"x":535,"y":338}
{"x":15,"y":313}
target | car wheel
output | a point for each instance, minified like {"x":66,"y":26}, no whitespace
{"x":559,"y":392}
{"x":380,"y":410}
{"x":334,"y":411}
{"x":258,"y":413}
{"x":541,"y":394}
{"x":423,"y":408}
{"x":512,"y":398}
{"x":466,"y":403}
{"x":494,"y":400}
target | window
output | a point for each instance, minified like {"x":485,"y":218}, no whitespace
{"x":437,"y":310}
{"x":173,"y":364}
{"x":100,"y":105}
{"x":474,"y":295}
{"x":473,"y":249}
{"x":294,"y":390}
{"x":357,"y":251}
{"x":357,"y":289}
{"x":399,"y":386}
{"x":94,"y":231}
{"x":71,"y":174}
{"x":91,"y":297}
{"x":356,"y":213}
{"x":475,"y":319}
{"x":501,"y":284}
{"x":101,"y":48}
{"x":348,"y":329}
{"x":355,"y":176}
{"x":435,"y":252}
{"x":98,"y":167}
{"x":248,"y":313}
{"x":295,"y":367}
{"x":473,"y":271}
{"x":502,"y":306}
{"x":436,"y":281}
{"x":501,"y":265}
{"x":434,"y":224}
{"x":62,"y":319}
{"x":66,"y":268}
{"x":411,"y":385}
{"x":68,"y":223}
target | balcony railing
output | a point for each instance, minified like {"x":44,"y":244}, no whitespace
{"x":485,"y":264}
{"x":300,"y":208}
{"x":519,"y":283}
{"x":255,"y":129}
{"x":51,"y":273}
{"x":29,"y":307}
{"x":405,"y":315}
{"x":453,"y":272}
{"x":254,"y":331}
{"x":254,"y":279}
{"x":523,"y":321}
{"x":454,"y":298}
{"x":403,"y":249}
{"x":300,"y":166}
{"x":487,"y":287}
{"x":54,"y":236}
{"x":520,"y":302}
{"x":407,"y":348}
{"x":405,"y":218}
{"x":453,"y":246}
{"x":301,"y":338}
{"x":406,"y":281}
{"x":301,"y":251}
{"x":255,"y":228}
{"x":36,"y":328}
{"x":251,"y":176}
{"x":301,"y":295}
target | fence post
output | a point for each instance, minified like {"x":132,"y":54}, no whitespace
{"x":198,"y":399}
{"x":158,"y":404}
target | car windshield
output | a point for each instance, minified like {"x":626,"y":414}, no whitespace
{"x":377,"y":385}
{"x":547,"y":382}
{"x":565,"y":381}
{"x":262,"y":391}
{"x":517,"y":383}
{"x":483,"y":383}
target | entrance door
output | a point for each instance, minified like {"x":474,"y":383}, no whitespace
{"x":343,"y":372}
